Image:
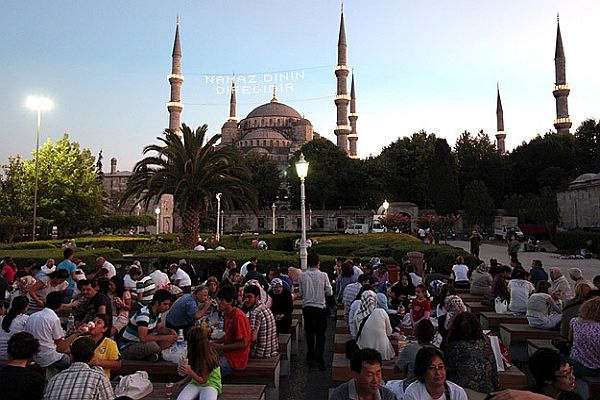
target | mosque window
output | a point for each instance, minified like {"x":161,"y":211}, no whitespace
{"x":261,"y":222}
{"x":270,"y":121}
{"x":264,"y":144}
{"x":340,"y":223}
{"x":280,"y":223}
{"x":278,"y":121}
{"x":320,"y":223}
{"x":277,"y":146}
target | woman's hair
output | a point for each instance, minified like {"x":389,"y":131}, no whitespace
{"x":22,"y":346}
{"x":591,"y":309}
{"x":423,"y":360}
{"x":582,"y":288}
{"x":422,"y":287}
{"x":135,"y":271}
{"x":425,"y":331}
{"x":347,"y":268}
{"x":520,"y":273}
{"x":202,"y":357}
{"x":18,"y":306}
{"x":543,"y":365}
{"x":107,"y":323}
{"x":212,"y":279}
{"x":103,"y":285}
{"x":119,"y":285}
{"x":542,"y":287}
{"x":59,"y":274}
{"x":460,"y":260}
{"x":363,"y":289}
{"x":465,"y":326}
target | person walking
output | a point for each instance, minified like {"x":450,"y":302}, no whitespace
{"x":314,"y":287}
{"x":475,"y":240}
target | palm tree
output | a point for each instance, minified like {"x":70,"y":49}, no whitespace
{"x":193,"y":172}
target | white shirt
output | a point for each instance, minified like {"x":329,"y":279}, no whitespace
{"x":199,"y":248}
{"x":161,"y":280}
{"x":416,"y":279}
{"x":356,"y":272}
{"x":314,"y":286}
{"x":129,"y":283}
{"x":17,"y":325}
{"x":181,"y":278}
{"x":519,"y":290}
{"x":44,"y":325}
{"x":244,"y":269}
{"x":110,"y":268}
{"x":417,"y":391}
{"x":461,"y":273}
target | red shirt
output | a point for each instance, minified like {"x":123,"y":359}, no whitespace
{"x":419,"y":307}
{"x":237,"y":327}
{"x":9,"y":272}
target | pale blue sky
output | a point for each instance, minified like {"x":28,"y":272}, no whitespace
{"x":429,"y":65}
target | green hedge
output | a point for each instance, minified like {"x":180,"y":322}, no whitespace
{"x":126,"y":244}
{"x":574,"y":241}
{"x":41,"y":255}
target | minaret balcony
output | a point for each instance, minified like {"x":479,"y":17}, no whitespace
{"x":175,"y":104}
{"x":342,"y":97}
{"x":561,"y":121}
{"x":175,"y":77}
{"x":232,"y":119}
{"x":500,"y":133}
{"x":342,"y":67}
{"x":564,"y":86}
{"x":353,"y":136}
{"x":343,"y":128}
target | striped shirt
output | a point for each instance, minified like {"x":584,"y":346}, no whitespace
{"x":146,"y":287}
{"x":267,"y":342}
{"x":79,"y":382}
{"x":144,"y":317}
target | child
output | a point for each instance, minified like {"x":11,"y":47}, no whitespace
{"x":202,"y":372}
{"x":420,"y":307}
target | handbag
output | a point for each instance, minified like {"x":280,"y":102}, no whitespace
{"x":352,"y":344}
{"x":136,"y":385}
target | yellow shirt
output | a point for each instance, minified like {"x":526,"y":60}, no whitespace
{"x":107,"y":350}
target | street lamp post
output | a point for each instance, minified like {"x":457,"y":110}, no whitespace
{"x":222,"y":222}
{"x":157,"y":212}
{"x":138,"y":208}
{"x":218,"y":197}
{"x":37,"y":104}
{"x":302,"y":171}
{"x":273,"y":207}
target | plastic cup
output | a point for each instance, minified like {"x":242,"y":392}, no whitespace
{"x":169,"y":389}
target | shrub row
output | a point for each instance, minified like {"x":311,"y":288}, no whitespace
{"x":574,"y":241}
{"x":126,"y":244}
{"x":41,"y":255}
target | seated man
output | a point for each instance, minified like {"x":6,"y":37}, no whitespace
{"x":21,"y":382}
{"x":366,"y":370}
{"x":180,"y":278}
{"x":45,"y":326}
{"x":234,"y":347}
{"x":188,"y":309}
{"x":265,"y":342}
{"x":145,"y":287}
{"x":97,"y":303}
{"x":254,"y":274}
{"x":80,"y":381}
{"x":146,"y":336}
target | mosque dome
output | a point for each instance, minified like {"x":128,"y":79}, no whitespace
{"x":264,"y":133}
{"x":586,"y":178}
{"x":274,"y":109}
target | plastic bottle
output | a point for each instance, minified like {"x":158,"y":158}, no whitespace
{"x":401,"y":310}
{"x":401,"y":342}
{"x":221,"y":323}
{"x":180,"y":340}
{"x":71,"y":323}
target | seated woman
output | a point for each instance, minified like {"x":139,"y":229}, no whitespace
{"x":213,"y":286}
{"x":107,"y":353}
{"x":519,"y":289}
{"x":13,"y":322}
{"x":542,"y":310}
{"x":376,"y":326}
{"x":571,"y":308}
{"x":481,"y":281}
{"x":553,"y":376}
{"x":453,"y":306}
{"x":460,"y":273}
{"x":406,"y":359}
{"x":282,"y":306}
{"x":446,"y":290}
{"x":53,"y":282}
{"x":585,"y":334}
{"x":401,"y":290}
{"x":354,"y":307}
{"x":18,"y":381}
{"x":345,"y":278}
{"x":431,"y":384}
{"x":469,"y":355}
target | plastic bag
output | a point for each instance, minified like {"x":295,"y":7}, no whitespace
{"x":500,"y":306}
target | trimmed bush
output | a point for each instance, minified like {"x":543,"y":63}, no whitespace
{"x":572,"y":242}
{"x":41,"y":255}
{"x":126,"y":244}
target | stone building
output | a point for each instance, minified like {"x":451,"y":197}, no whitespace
{"x":579,"y":205}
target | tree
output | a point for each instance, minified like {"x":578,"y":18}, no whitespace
{"x":587,"y":146}
{"x":193,"y":172}
{"x":265,"y":177}
{"x":70,"y":193}
{"x":478,"y":204}
{"x":394,"y":222}
{"x":445,"y":193}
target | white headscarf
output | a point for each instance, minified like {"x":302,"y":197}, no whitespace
{"x":368,"y":303}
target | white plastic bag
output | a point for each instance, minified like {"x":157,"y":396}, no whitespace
{"x":137,"y":385}
{"x":500,"y":306}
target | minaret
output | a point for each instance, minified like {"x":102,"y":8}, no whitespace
{"x":500,"y":135}
{"x":342,"y":129}
{"x":353,"y":116}
{"x":232,"y":103}
{"x":562,"y":123}
{"x":174,"y":105}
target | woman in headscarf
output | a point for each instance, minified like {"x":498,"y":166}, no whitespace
{"x":481,"y":281}
{"x":282,"y":306}
{"x":453,"y":306}
{"x":382,"y":302}
{"x":401,"y":290}
{"x":376,"y":328}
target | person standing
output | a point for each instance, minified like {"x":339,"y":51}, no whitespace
{"x":513,"y":248}
{"x":475,"y":240}
{"x":314,"y":287}
{"x":68,"y":265}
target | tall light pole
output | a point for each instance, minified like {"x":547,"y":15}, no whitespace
{"x":218,"y":196}
{"x":37,"y":104}
{"x":302,"y":171}
{"x":157,"y":212}
{"x":273,"y":207}
{"x":222,"y":222}
{"x":138,"y":208}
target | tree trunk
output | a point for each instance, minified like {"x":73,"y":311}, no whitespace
{"x":191,"y":224}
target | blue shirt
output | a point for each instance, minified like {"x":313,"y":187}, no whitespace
{"x":183,"y":310}
{"x":70,"y":267}
{"x":538,"y":274}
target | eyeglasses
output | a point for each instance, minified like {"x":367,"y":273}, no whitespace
{"x":439,"y":367}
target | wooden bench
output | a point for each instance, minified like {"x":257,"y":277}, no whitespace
{"x":534,"y":345}
{"x":297,"y":315}
{"x":339,"y":344}
{"x":230,"y":392}
{"x":492,"y":320}
{"x":512,"y":378}
{"x":340,"y":314}
{"x":476,"y":307}
{"x":467,"y":297}
{"x":285,"y":351}
{"x":295,"y":336}
{"x":515,"y":338}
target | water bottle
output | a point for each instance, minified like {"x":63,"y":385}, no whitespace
{"x":71,"y":323}
{"x":180,"y":340}
{"x":221,"y":323}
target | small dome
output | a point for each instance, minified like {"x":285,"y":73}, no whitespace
{"x":586,"y":178}
{"x":264,"y":133}
{"x":274,"y":109}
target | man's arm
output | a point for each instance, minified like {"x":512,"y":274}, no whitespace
{"x":237,"y":345}
{"x":328,"y":288}
{"x":162,"y":336}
